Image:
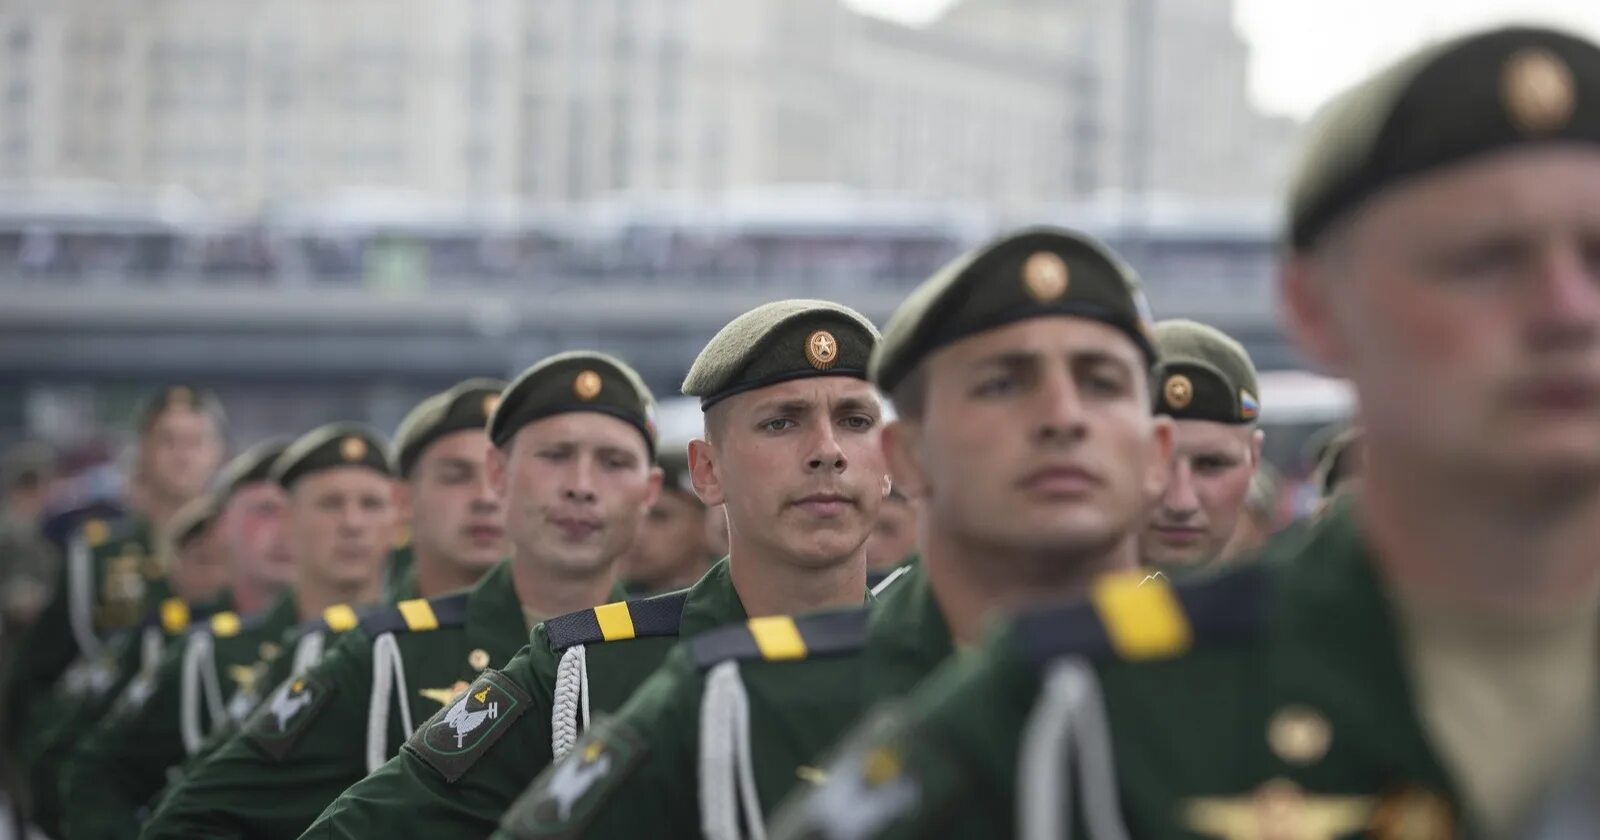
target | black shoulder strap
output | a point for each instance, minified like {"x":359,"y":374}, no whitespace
{"x":417,"y":615}
{"x":781,"y":638}
{"x":658,"y":616}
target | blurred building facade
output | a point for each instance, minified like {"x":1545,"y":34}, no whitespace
{"x":1007,"y":104}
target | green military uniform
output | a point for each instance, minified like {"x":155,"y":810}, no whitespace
{"x":158,"y":722}
{"x":718,"y":738}
{"x":1276,"y":701}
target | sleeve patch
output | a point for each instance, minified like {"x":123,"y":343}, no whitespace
{"x":453,"y":739}
{"x":567,"y":795}
{"x":279,"y":723}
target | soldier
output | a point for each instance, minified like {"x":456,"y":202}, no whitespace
{"x":671,"y":551}
{"x":28,"y":562}
{"x":1425,"y":660}
{"x":322,"y":731}
{"x":111,"y":578}
{"x":1260,"y":520}
{"x":1020,"y":375}
{"x":791,"y":448}
{"x":341,"y":522}
{"x":1207,"y":385}
{"x":894,"y":538}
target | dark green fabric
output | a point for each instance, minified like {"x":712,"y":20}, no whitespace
{"x":253,"y":788}
{"x":1204,"y":375}
{"x":798,"y":709}
{"x":122,"y":763}
{"x":409,"y":798}
{"x":1028,"y":273}
{"x":1456,"y":100}
{"x":400,"y":579}
{"x":1190,"y":726}
{"x":331,"y":446}
{"x":465,"y":406}
{"x":576,"y":381}
{"x":778,"y":342}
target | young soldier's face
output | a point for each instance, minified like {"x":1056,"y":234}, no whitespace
{"x":180,"y":452}
{"x":201,"y":570}
{"x":671,"y":542}
{"x":454,"y":515}
{"x":798,"y":466}
{"x":254,"y":534}
{"x":1036,"y":438}
{"x":894,"y":535}
{"x":342,"y":525}
{"x":1465,"y":306}
{"x":1209,"y":477}
{"x":575,"y":487}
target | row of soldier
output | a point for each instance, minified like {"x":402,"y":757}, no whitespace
{"x":1419,"y":662}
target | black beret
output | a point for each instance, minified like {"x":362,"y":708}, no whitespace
{"x":467,"y":405}
{"x":252,"y":465}
{"x":329,"y":447}
{"x":192,"y":519}
{"x":1204,"y":375}
{"x":1027,"y":274}
{"x":778,"y":342}
{"x":576,"y":381}
{"x":1444,"y":104}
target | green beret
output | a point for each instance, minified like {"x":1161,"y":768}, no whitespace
{"x":576,"y":381}
{"x":331,"y":446}
{"x":1447,"y":103}
{"x":467,"y":405}
{"x":252,"y":465}
{"x":780,"y":341}
{"x":202,"y":400}
{"x":191,"y":521}
{"x":1204,"y":375}
{"x":1027,"y":274}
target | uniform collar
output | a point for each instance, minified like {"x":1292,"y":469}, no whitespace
{"x":907,"y":636}
{"x":712,"y":602}
{"x":494,"y":615}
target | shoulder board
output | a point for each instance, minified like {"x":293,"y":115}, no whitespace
{"x":418,"y":615}
{"x":1138,"y":617}
{"x":225,"y":624}
{"x":615,"y":622}
{"x":335,"y":619}
{"x":175,"y":616}
{"x":96,"y":532}
{"x":780,"y":638}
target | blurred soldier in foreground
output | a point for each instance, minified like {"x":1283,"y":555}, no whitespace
{"x":1206,"y":383}
{"x":1426,"y":660}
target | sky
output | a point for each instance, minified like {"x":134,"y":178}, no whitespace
{"x":1304,"y":51}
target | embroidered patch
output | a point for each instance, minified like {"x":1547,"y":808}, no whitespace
{"x":278,"y":723}
{"x":566,"y":796}
{"x":451,"y":741}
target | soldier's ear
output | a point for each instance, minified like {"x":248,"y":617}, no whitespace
{"x":704,"y":473}
{"x":495,"y":471}
{"x":1158,"y":470}
{"x":902,"y":448}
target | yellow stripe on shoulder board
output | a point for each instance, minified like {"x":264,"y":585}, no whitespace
{"x":777,"y":638}
{"x":174,"y":615}
{"x":95,"y":532}
{"x":1142,"y":616}
{"x":339,"y":617}
{"x":615,"y":621}
{"x":225,"y":624}
{"x":418,"y":615}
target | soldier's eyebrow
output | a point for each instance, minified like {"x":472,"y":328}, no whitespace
{"x":782,"y":408}
{"x":856,"y":405}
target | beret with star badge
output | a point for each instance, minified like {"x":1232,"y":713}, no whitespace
{"x":779,"y":342}
{"x":1457,"y":100}
{"x":329,"y":447}
{"x":581,"y":380}
{"x":1030,"y":273}
{"x":467,"y":405}
{"x":1204,"y":375}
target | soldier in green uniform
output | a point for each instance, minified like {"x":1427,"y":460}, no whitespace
{"x":1207,"y":384}
{"x":893,"y":543}
{"x":1020,"y":374}
{"x":326,"y":728}
{"x":1424,"y":660}
{"x":791,"y":449}
{"x":111,"y":578}
{"x":341,"y":523}
{"x":671,"y":551}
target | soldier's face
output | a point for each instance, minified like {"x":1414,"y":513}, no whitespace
{"x":575,"y":487}
{"x":1036,"y":439}
{"x":799,"y":468}
{"x":455,"y":518}
{"x":1465,"y":306}
{"x":180,"y":453}
{"x":671,"y":543}
{"x":894,"y":535}
{"x":342,"y":525}
{"x":1209,"y":477}
{"x":202,"y":568}
{"x":254,"y":534}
